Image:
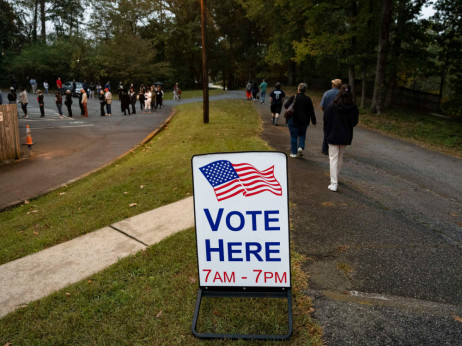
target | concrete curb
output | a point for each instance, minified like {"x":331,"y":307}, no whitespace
{"x":36,"y":276}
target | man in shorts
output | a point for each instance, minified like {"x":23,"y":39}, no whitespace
{"x":276,"y":102}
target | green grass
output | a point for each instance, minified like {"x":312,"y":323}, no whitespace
{"x":149,"y":299}
{"x":156,"y":174}
{"x":189,"y":94}
{"x":436,"y":133}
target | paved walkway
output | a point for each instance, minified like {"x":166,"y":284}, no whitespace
{"x":35,"y":276}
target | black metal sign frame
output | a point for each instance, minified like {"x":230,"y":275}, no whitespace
{"x":284,"y":293}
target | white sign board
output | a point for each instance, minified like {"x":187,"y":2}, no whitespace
{"x":242,"y":219}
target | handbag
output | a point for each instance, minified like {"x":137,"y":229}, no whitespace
{"x":291,"y":110}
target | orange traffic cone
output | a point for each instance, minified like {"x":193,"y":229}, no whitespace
{"x":28,"y":136}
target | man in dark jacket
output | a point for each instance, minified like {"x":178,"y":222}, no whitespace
{"x":327,"y":99}
{"x":133,"y":100}
{"x":125,"y":102}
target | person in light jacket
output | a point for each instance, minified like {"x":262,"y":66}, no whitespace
{"x":24,"y":101}
{"x":108,"y":96}
{"x":341,"y":115}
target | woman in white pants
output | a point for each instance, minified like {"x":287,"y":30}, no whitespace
{"x":148,"y":97}
{"x":342,"y":115}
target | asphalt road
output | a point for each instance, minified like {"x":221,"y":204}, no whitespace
{"x":68,"y":148}
{"x":384,"y":253}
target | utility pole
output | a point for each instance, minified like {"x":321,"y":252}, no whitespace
{"x":205,"y":76}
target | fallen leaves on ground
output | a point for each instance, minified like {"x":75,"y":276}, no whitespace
{"x":159,"y":313}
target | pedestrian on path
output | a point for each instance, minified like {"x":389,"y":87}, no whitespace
{"x":159,"y":97}
{"x":68,"y":102}
{"x":125,"y":102}
{"x":299,"y":122}
{"x":248,"y":91}
{"x":108,"y":96}
{"x":255,"y":91}
{"x":59,"y":103}
{"x":341,"y":115}
{"x":41,"y":103}
{"x":59,"y":85}
{"x":45,"y":86}
{"x":263,"y":86}
{"x":84,"y":102}
{"x":276,"y":102}
{"x":327,"y":99}
{"x":102,"y":102}
{"x":33,"y":84}
{"x":141,"y":98}
{"x":176,"y":92}
{"x":133,"y":100}
{"x":12,"y":97}
{"x":147,"y":103}
{"x":24,"y":102}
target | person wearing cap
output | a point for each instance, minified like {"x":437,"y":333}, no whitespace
{"x":108,"y":96}
{"x":12,"y":97}
{"x":327,"y":98}
{"x":84,"y":102}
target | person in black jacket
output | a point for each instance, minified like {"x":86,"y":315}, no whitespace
{"x":299,"y":122}
{"x":125,"y":102}
{"x":342,"y":115}
{"x":133,"y":100}
{"x":68,"y":102}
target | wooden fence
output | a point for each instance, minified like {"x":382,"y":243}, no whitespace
{"x":10,"y":147}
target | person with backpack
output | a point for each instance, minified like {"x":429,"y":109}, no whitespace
{"x":303,"y":114}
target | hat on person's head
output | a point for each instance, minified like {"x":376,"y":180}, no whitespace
{"x":107,"y":89}
{"x":337,"y":83}
{"x":11,"y":88}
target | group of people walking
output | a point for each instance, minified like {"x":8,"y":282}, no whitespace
{"x":340,"y":115}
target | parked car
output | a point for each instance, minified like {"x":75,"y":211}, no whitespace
{"x":68,"y":86}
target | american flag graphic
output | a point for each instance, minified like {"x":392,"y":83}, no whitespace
{"x":230,"y":179}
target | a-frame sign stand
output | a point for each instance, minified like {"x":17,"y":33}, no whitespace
{"x":282,"y":293}
{"x":241,"y":210}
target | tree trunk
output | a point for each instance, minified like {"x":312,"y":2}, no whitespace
{"x":43,"y":20}
{"x":351,"y":80}
{"x":396,"y":51}
{"x":351,"y":66}
{"x":35,"y":20}
{"x":363,"y":87}
{"x":379,"y":85}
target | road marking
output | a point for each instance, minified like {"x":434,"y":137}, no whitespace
{"x":59,"y":127}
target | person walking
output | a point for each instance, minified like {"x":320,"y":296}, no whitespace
{"x":84,"y":102}
{"x":102,"y":102}
{"x":299,"y":122}
{"x":41,"y":103}
{"x":45,"y":86}
{"x":276,"y":102}
{"x":133,"y":99}
{"x":342,"y":115}
{"x":108,"y":96}
{"x":92,"y":88}
{"x":33,"y":84}
{"x":12,"y":97}
{"x":141,"y":98}
{"x":255,"y":91}
{"x":24,"y":102}
{"x":147,"y":102}
{"x":176,"y":92}
{"x":59,"y":103}
{"x":327,"y":98}
{"x":248,"y":91}
{"x":125,"y":102}
{"x":59,"y":86}
{"x":68,"y":102}
{"x":263,"y":86}
{"x":159,"y":97}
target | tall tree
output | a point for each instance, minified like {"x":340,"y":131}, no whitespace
{"x":379,"y":85}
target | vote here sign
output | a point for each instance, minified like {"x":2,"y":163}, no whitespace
{"x":242,"y":221}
